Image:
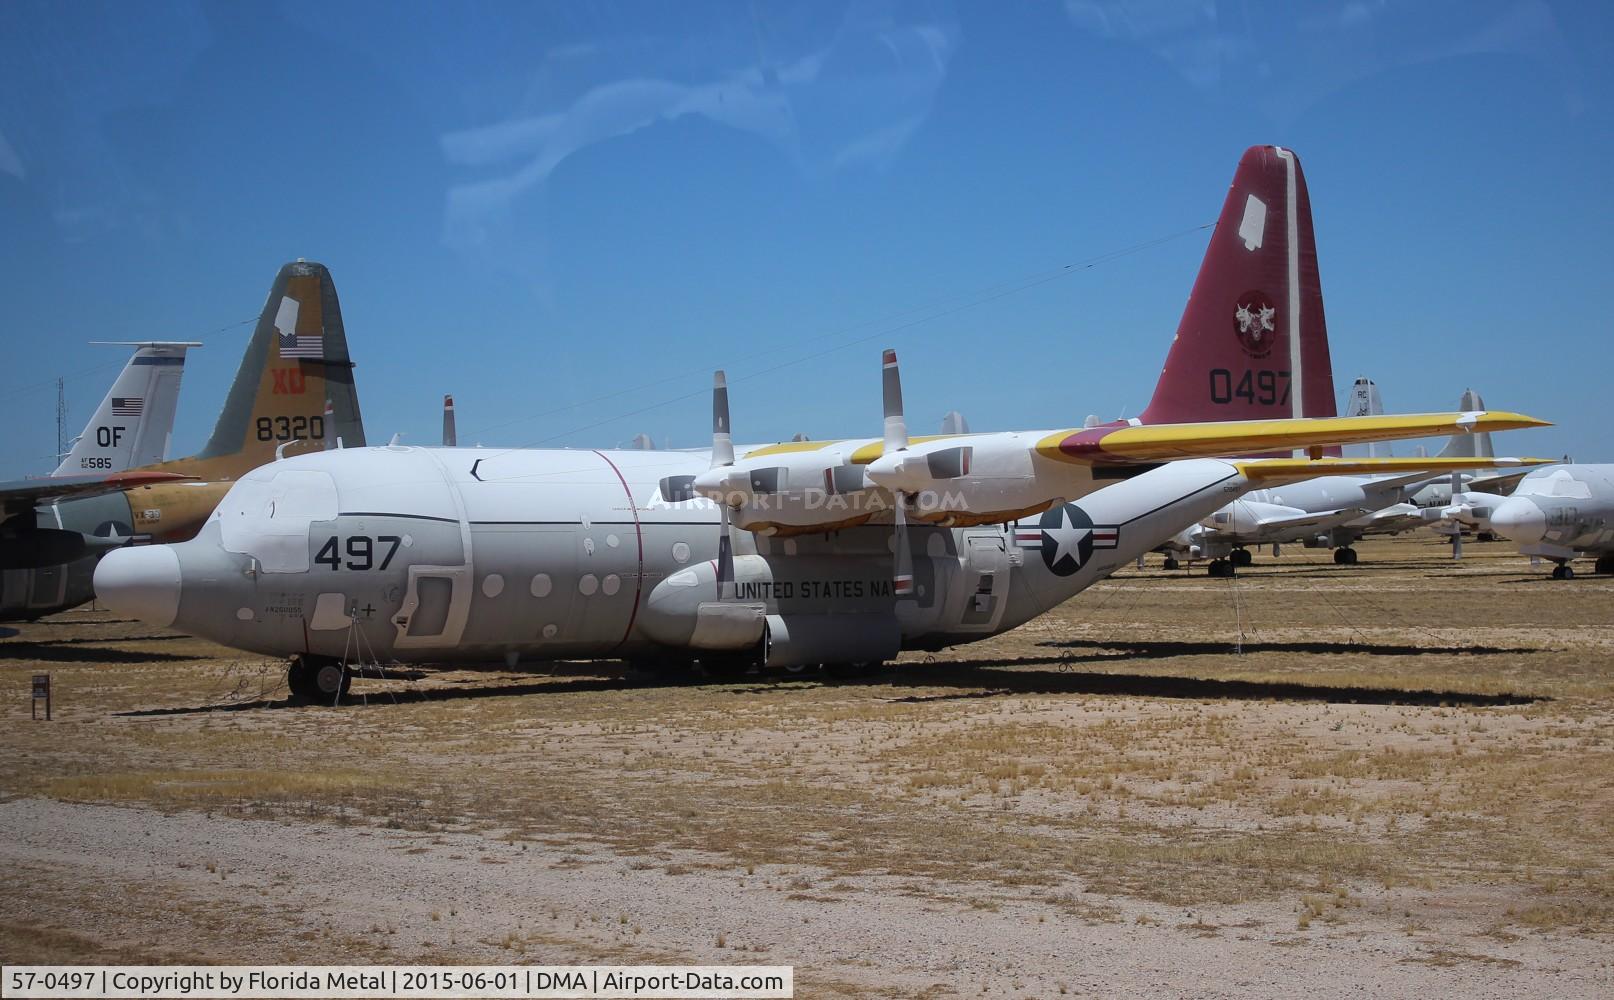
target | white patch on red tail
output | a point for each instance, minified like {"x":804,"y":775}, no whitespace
{"x":1254,"y":226}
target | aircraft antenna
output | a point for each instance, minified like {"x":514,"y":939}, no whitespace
{"x":61,"y":417}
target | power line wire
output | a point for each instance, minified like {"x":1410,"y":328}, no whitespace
{"x":990,"y":293}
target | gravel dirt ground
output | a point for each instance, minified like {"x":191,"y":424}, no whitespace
{"x":1388,"y":779}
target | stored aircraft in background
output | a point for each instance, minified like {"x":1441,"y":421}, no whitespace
{"x":294,"y":389}
{"x":839,"y":553}
{"x":134,"y":424}
{"x":1333,"y":511}
{"x":1559,"y":513}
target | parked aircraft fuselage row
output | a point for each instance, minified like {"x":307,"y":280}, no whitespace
{"x":833,"y":552}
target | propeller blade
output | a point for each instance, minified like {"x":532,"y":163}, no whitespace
{"x":722,"y":443}
{"x":722,"y":457}
{"x":902,"y":579}
{"x":896,"y":427}
{"x":725,"y":557}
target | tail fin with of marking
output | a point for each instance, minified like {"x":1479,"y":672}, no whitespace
{"x":295,"y":383}
{"x":135,"y":422}
{"x":1253,"y":341}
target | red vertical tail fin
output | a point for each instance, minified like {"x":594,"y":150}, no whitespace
{"x":1253,"y":341}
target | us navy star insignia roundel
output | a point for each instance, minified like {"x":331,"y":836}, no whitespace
{"x":1067,"y":537}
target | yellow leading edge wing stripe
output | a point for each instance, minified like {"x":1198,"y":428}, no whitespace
{"x":1162,"y":442}
{"x":862,"y":456}
{"x":1307,"y":468}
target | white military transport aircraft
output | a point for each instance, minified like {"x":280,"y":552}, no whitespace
{"x":840,"y":553}
{"x":1559,"y":513}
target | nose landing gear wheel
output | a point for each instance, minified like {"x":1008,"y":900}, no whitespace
{"x":317,"y":679}
{"x":1241,"y":558}
{"x":1563,"y":571}
{"x":1170,"y":563}
{"x":1345,"y":556}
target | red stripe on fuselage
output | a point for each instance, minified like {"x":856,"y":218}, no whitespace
{"x":638,"y":533}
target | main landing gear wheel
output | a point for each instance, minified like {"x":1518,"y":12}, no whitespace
{"x":317,"y":679}
{"x":1345,"y":556}
{"x":852,"y":671}
{"x":1219,"y":567}
{"x":1605,"y":564}
{"x":727,"y":666}
{"x":662,"y":670}
{"x":1170,"y":563}
{"x":1241,"y":558}
{"x":1563,"y":571}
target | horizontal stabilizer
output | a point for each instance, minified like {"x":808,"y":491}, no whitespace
{"x":23,"y":494}
{"x":1163,"y":442}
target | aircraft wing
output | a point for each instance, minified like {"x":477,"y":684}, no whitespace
{"x":1502,"y":484}
{"x":21,"y":495}
{"x":1283,"y":527}
{"x":1391,"y":520}
{"x":1320,"y":520}
{"x":1272,"y":470}
{"x":1213,"y":439}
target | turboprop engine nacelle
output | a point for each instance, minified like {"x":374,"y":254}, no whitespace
{"x":823,"y":486}
{"x":828,"y":610}
{"x":1470,"y":509}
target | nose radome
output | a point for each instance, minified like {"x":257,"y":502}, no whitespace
{"x":141,"y":582}
{"x":1519,"y":519}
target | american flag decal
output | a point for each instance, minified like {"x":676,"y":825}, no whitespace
{"x":292,"y":343}
{"x":127,"y":406}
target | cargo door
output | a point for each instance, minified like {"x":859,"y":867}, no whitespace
{"x":435,"y":609}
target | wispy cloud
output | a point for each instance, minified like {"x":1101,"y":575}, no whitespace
{"x":855,"y":101}
{"x":1236,"y":50}
{"x":10,"y":162}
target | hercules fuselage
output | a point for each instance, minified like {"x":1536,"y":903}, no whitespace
{"x":425,"y":554}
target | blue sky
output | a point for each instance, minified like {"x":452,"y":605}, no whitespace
{"x":535,"y":206}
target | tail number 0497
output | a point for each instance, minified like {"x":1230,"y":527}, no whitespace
{"x":361,"y":552}
{"x":1263,"y":386}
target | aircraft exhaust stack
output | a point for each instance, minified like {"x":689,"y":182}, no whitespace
{"x":450,"y":435}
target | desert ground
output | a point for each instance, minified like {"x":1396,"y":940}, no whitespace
{"x":1388,"y":779}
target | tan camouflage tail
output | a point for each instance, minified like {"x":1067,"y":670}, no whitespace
{"x":296,"y":363}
